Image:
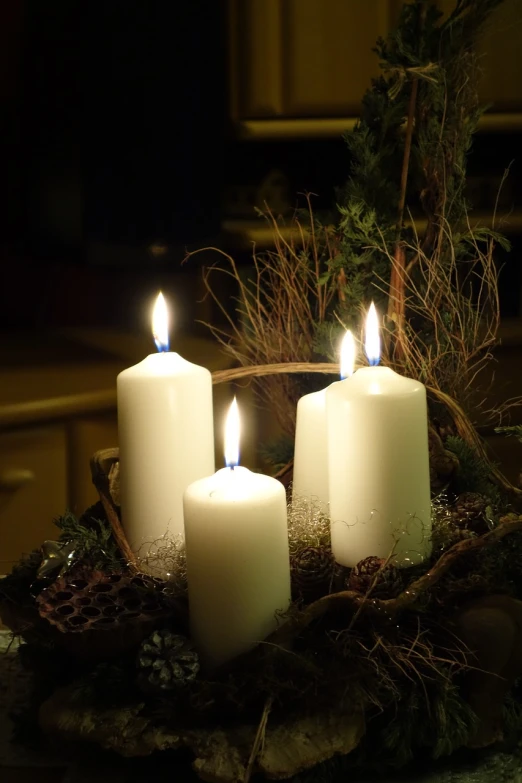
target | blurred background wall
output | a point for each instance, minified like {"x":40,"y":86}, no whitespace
{"x":133,"y":131}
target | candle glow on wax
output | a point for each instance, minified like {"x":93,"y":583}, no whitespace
{"x":166,"y":437}
{"x":232,"y":432}
{"x":378,"y":466}
{"x":372,"y":343}
{"x":236,"y":545}
{"x":310,"y":481}
{"x":347,"y":355}
{"x":160,"y":324}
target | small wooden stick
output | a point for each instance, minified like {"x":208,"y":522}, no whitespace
{"x":390,"y":607}
{"x":444,"y":563}
{"x":257,"y":370}
{"x":397,"y":294}
{"x":101,"y":463}
{"x":258,"y":741}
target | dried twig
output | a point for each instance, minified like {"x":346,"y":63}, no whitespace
{"x":506,"y":526}
{"x":397,"y":299}
{"x":258,"y":741}
{"x":388,"y":609}
{"x":453,"y":311}
{"x":280,"y":301}
{"x":100,"y":466}
{"x":237,"y":373}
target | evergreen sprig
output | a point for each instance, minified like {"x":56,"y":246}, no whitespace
{"x":515,"y":431}
{"x":429,"y":75}
{"x":94,"y":543}
{"x":450,"y":725}
{"x":279,"y":452}
{"x":474,"y":473}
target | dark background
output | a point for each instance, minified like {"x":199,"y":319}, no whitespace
{"x":119,"y":155}
{"x":113,"y":140}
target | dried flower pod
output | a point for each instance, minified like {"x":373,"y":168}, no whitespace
{"x":97,"y":601}
{"x":112,"y":611}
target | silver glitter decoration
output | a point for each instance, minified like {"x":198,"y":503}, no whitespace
{"x":442,"y":524}
{"x":165,"y":558}
{"x":308,"y":525}
{"x":57,"y":556}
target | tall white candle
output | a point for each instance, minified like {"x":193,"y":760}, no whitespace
{"x":238,"y":570}
{"x":310,"y":479}
{"x":379,"y":471}
{"x":166,"y":438}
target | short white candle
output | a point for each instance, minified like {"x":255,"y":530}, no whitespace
{"x":310,"y":479}
{"x":379,"y":470}
{"x":166,"y":438}
{"x":238,"y":569}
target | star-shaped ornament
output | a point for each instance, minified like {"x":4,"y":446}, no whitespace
{"x":57,"y":555}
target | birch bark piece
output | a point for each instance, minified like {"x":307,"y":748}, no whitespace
{"x":121,"y":729}
{"x":222,"y":756}
{"x":304,"y":742}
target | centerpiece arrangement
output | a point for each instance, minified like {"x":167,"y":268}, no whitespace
{"x":364,"y":607}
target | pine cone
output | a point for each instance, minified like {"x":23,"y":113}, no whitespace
{"x":167,"y":661}
{"x":84,"y":603}
{"x":311,"y":571}
{"x":460,"y":534}
{"x":470,"y":511}
{"x":387,"y":584}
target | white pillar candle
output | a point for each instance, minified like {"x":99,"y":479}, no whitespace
{"x":166,"y":438}
{"x":238,"y":569}
{"x":310,"y":479}
{"x":379,"y":470}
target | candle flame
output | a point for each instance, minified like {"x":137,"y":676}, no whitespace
{"x":348,"y":352}
{"x":160,"y":324}
{"x":232,"y":430}
{"x":372,"y":344}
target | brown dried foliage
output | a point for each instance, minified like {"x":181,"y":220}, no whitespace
{"x":280,"y":301}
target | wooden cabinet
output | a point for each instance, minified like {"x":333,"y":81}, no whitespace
{"x":33,"y":489}
{"x":301,"y":67}
{"x":327,"y":57}
{"x":299,"y":58}
{"x":58,"y":407}
{"x":44,"y":471}
{"x":500,"y":83}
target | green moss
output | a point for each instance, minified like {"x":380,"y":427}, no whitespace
{"x":93,"y":539}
